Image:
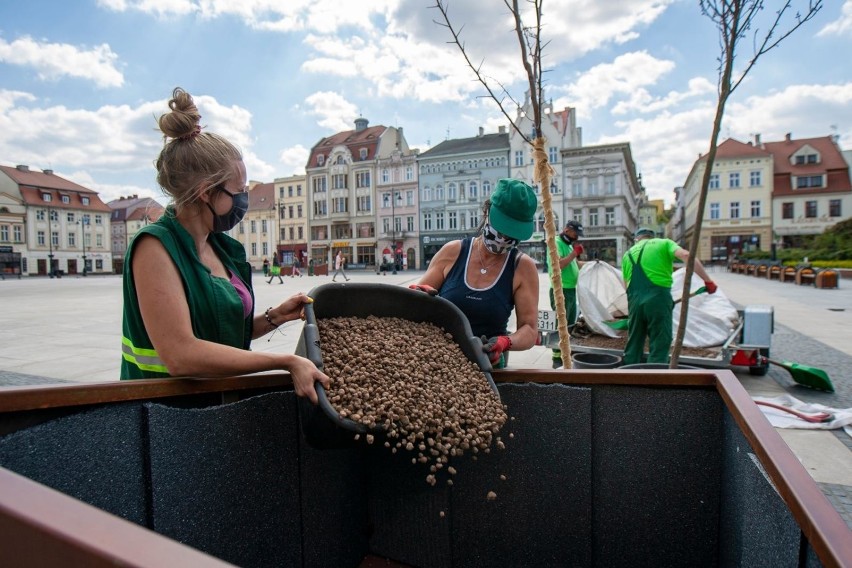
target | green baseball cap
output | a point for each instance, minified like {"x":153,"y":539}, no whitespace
{"x":512,"y":212}
{"x":643,"y":232}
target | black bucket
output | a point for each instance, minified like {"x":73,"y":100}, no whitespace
{"x":659,"y":366}
{"x":595,"y":360}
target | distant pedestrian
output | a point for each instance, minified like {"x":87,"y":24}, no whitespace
{"x":297,"y":265}
{"x":339,"y":266}
{"x":274,"y":271}
{"x":265,"y":267}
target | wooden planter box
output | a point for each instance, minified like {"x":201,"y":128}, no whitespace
{"x":788,"y":274}
{"x":605,"y":468}
{"x":774,"y":272}
{"x":826,"y":278}
{"x":806,"y":276}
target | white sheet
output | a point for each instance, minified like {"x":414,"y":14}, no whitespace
{"x":780,"y":419}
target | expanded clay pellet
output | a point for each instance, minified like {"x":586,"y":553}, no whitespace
{"x":414,"y":381}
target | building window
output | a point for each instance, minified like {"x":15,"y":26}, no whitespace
{"x":264,"y":248}
{"x":592,"y":186}
{"x":320,"y":159}
{"x":362,"y":153}
{"x":362,"y":179}
{"x":253,"y":226}
{"x":340,"y":205}
{"x":54,"y":238}
{"x":84,"y":200}
{"x":439,"y":221}
{"x":451,"y":192}
{"x":806,"y":159}
{"x":439,"y":192}
{"x":301,"y":233}
{"x":755,"y":209}
{"x":609,"y":185}
{"x":242,"y":229}
{"x":519,"y":157}
{"x":787,"y":210}
{"x":363,"y":204}
{"x":808,"y":181}
{"x":299,"y":190}
{"x":319,"y":184}
{"x":811,"y":209}
{"x":593,"y":217}
{"x":714,"y":211}
{"x":714,"y":181}
{"x":17,"y":234}
{"x":263,"y":226}
{"x":453,"y":220}
{"x":338,"y":181}
{"x":290,"y":211}
{"x":427,"y":221}
{"x":734,"y":179}
{"x":254,"y":249}
{"x":834,"y":208}
{"x":754,"y":179}
{"x":409,"y":223}
{"x":409,"y":197}
{"x":46,"y":197}
{"x":70,"y":217}
{"x":577,"y":188}
{"x":409,"y":173}
{"x":54,"y":216}
{"x":735,"y":209}
{"x":320,"y":208}
{"x":66,"y":199}
{"x":486,"y":188}
{"x":385,"y":175}
{"x":4,"y":233}
{"x":553,"y":154}
{"x":609,"y":216}
{"x":299,"y":211}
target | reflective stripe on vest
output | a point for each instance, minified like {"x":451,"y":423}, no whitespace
{"x":145,"y":359}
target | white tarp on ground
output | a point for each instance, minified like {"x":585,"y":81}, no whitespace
{"x":840,"y":417}
{"x":712,"y":317}
{"x":602,"y":296}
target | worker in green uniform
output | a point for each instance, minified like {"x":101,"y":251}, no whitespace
{"x":647,"y":270}
{"x":568,"y":250}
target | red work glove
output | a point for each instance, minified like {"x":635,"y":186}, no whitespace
{"x":711,"y":286}
{"x":578,"y":250}
{"x":495,"y":347}
{"x":424,"y":288}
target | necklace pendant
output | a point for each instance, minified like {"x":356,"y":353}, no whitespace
{"x":483,"y":270}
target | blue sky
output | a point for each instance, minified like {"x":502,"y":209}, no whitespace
{"x":82,"y":81}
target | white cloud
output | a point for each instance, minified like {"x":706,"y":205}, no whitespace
{"x":624,"y":76}
{"x":295,"y":158}
{"x":642,"y":101}
{"x":53,"y":61}
{"x":111,"y":141}
{"x":841,"y":26}
{"x":334,"y":111}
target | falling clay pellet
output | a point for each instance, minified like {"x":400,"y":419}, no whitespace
{"x":491,"y":496}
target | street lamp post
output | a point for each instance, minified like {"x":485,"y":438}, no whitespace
{"x":50,"y":245}
{"x":394,"y":196}
{"x":82,"y":223}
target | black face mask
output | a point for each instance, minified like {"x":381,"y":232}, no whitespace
{"x":229,"y":220}
{"x":566,"y":238}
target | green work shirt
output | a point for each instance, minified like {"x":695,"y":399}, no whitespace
{"x":215,"y":308}
{"x":571,"y":270}
{"x":656,"y":262}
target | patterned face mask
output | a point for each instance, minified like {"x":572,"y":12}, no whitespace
{"x":495,"y":242}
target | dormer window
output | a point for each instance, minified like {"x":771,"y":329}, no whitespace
{"x":46,"y":197}
{"x":340,"y":161}
{"x":320,"y":159}
{"x":363,"y":153}
{"x":66,"y":199}
{"x":85,"y":200}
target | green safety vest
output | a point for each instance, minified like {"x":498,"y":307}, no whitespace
{"x":215,"y":308}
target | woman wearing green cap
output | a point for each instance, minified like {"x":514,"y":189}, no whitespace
{"x":486,"y":276}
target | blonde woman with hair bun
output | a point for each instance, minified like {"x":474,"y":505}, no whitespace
{"x":188,"y":297}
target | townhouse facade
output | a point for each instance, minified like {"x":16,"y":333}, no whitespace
{"x":604,"y":193}
{"x":51,"y":225}
{"x":258,"y":230}
{"x":811,"y":188}
{"x":291,"y":200}
{"x":129,"y":215}
{"x":456,"y":178}
{"x":397,"y":211}
{"x":766,"y":195}
{"x":560,"y":132}
{"x":341,"y":184}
